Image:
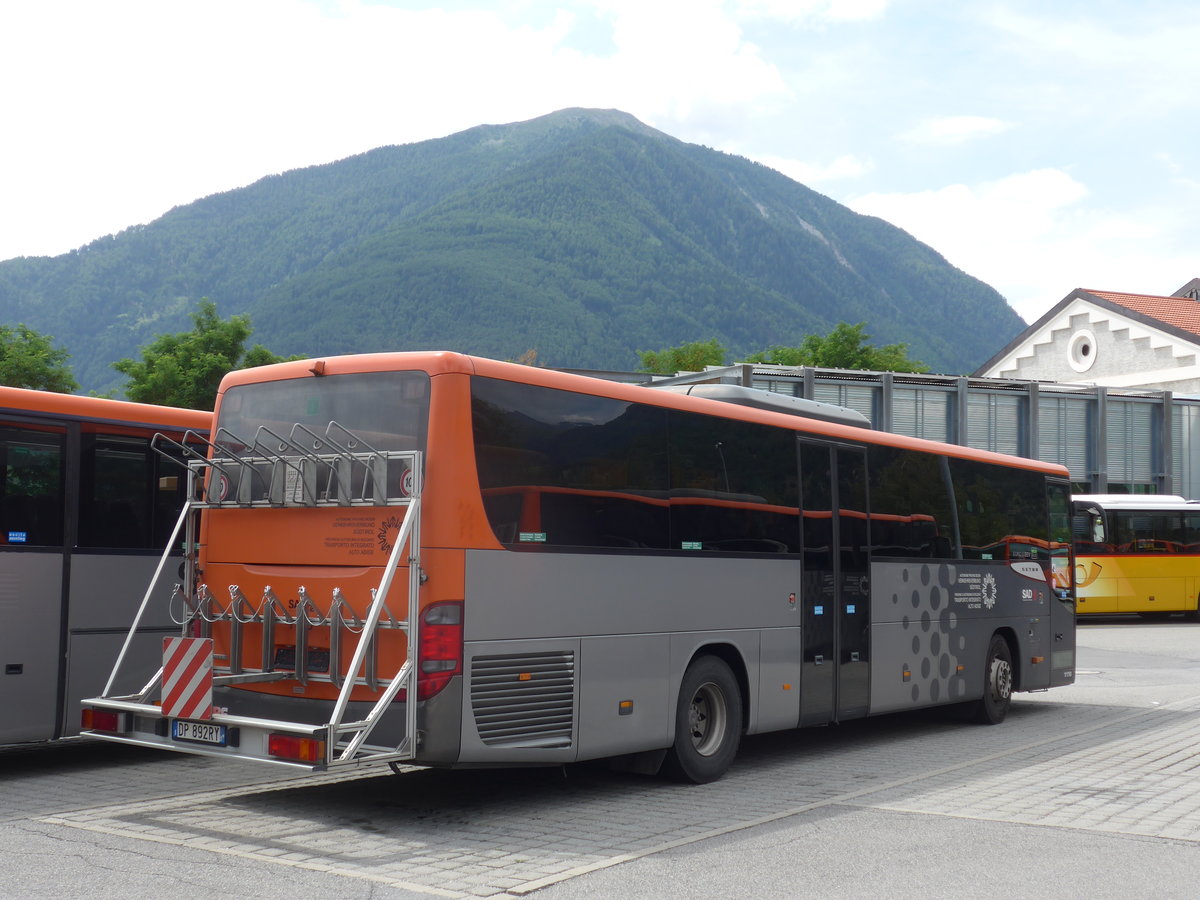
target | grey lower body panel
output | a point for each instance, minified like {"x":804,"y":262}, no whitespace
{"x":932,"y":623}
{"x":564,"y":700}
{"x":571,"y":657}
{"x":579,"y":656}
{"x":36,"y":704}
{"x":30,"y":634}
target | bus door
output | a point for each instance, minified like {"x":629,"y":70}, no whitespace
{"x":32,"y":561}
{"x":835,"y":585}
{"x":1062,"y":602}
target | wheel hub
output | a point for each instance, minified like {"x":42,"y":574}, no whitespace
{"x":1000,"y":679}
{"x":706,"y":719}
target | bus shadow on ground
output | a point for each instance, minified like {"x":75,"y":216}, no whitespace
{"x":67,"y":757}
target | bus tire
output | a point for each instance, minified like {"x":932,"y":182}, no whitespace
{"x":997,"y":683}
{"x":708,"y":723}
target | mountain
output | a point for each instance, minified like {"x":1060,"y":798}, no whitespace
{"x":583,"y":234}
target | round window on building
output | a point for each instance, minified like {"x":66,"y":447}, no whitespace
{"x":1081,"y":351}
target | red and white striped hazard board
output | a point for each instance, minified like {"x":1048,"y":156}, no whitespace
{"x":187,"y":677}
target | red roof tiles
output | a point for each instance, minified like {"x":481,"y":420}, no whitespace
{"x":1181,"y":312}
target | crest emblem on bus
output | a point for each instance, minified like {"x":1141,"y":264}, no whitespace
{"x":387,"y":529}
{"x":989,"y":590}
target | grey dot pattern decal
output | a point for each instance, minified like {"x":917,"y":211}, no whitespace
{"x":937,"y":642}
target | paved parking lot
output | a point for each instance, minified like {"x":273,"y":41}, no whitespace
{"x":1113,"y":756}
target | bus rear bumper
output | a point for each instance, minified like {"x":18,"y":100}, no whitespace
{"x":222,"y":735}
{"x":286,"y":731}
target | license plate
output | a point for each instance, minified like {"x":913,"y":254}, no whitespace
{"x":199,"y":732}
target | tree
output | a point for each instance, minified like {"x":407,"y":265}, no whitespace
{"x":845,"y":347}
{"x":185,"y":369}
{"x":29,"y":359}
{"x":528,"y":358}
{"x":691,"y":357}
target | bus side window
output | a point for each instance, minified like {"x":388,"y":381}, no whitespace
{"x":170,"y":491}
{"x":1000,"y":506}
{"x":911,"y":513}
{"x":1191,"y":527}
{"x":114,"y":492}
{"x":31,"y":488}
{"x":559,"y":468}
{"x":733,"y":486}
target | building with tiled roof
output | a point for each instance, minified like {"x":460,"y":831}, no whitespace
{"x":1110,"y":339}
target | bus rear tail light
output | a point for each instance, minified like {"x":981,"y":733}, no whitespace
{"x":440,"y":647}
{"x":106,"y":720}
{"x":293,"y":747}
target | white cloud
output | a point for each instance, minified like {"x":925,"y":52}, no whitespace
{"x":1178,"y":172}
{"x":679,"y":57}
{"x":814,"y":10}
{"x":955,"y":129}
{"x":137,"y":105}
{"x":1130,"y":58}
{"x":808,"y":174}
{"x":1032,"y":237}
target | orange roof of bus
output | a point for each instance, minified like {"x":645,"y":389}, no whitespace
{"x":445,"y":362}
{"x":100,"y":408}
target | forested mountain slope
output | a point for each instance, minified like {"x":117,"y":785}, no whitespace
{"x":583,"y":234}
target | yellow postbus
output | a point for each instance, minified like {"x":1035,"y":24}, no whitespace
{"x":1136,"y":554}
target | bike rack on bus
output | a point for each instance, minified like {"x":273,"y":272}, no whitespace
{"x":303,"y":469}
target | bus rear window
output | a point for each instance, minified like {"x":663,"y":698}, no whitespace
{"x":320,"y":418}
{"x":385,"y":410}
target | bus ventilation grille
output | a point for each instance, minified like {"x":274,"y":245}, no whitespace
{"x":524,"y":699}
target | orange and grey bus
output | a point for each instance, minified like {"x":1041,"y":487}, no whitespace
{"x":85,"y":507}
{"x":454,"y":561}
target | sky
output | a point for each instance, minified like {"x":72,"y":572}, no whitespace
{"x":1038,"y":145}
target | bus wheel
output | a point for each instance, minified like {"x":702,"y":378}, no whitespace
{"x":708,"y":723}
{"x":997,"y":683}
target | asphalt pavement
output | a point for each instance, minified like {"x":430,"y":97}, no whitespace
{"x":1087,"y":791}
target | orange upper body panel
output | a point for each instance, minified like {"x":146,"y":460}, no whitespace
{"x":445,"y":363}
{"x":138,"y":417}
{"x":363,"y":536}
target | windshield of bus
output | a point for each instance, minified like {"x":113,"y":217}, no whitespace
{"x":360,"y":413}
